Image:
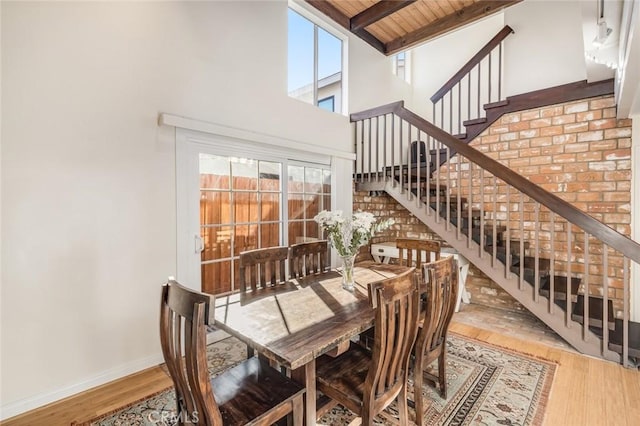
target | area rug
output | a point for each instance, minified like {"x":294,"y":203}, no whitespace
{"x":487,"y":385}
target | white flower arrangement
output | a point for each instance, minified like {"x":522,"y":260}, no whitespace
{"x":347,"y":235}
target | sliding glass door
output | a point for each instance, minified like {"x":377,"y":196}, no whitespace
{"x":232,"y":200}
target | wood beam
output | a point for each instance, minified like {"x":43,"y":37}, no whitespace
{"x":377,"y":12}
{"x":334,"y":13}
{"x":372,"y":40}
{"x":451,"y":22}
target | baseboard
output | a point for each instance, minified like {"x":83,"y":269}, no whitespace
{"x":27,"y":404}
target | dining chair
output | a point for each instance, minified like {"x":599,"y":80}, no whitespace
{"x":367,"y":381}
{"x":442,"y":293}
{"x":262,"y":268}
{"x":308,"y":258}
{"x":423,"y":250}
{"x":250,"y":393}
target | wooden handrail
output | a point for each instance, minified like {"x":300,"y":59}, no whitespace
{"x":608,"y":235}
{"x":393,"y":107}
{"x":475,"y":60}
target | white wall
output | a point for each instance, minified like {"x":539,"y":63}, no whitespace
{"x":372,"y":81}
{"x":88,"y":178}
{"x":435,"y":62}
{"x":547,"y":48}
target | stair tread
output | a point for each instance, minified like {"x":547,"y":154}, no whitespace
{"x":559,"y":286}
{"x":435,"y":151}
{"x":474,"y":121}
{"x":460,"y":136}
{"x":615,"y":338}
{"x":421,"y":169}
{"x":453,"y":213}
{"x":514,"y":245}
{"x":595,"y":311}
{"x":488,"y":227}
{"x":530,"y":262}
{"x":443,"y":199}
{"x":497,"y":104}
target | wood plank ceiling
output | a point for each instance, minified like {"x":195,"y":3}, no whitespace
{"x":391,"y":26}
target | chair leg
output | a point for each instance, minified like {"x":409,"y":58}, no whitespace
{"x":442,"y":378}
{"x":418,"y":380}
{"x":250,"y":352}
{"x":403,"y":411}
{"x":367,"y":415}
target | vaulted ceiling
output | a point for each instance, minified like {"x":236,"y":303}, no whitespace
{"x":391,"y":26}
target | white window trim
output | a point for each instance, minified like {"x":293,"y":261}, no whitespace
{"x":252,"y":138}
{"x":306,"y":11}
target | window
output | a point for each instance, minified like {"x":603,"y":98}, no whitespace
{"x":401,"y":66}
{"x":309,"y":193}
{"x":314,"y":64}
{"x":239,"y":210}
{"x":233,"y":199}
{"x":327,"y":103}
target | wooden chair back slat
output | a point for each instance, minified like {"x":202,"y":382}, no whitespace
{"x":264,"y":267}
{"x":423,"y":250}
{"x":308,"y":258}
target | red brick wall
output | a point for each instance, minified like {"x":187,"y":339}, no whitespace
{"x":576,"y":150}
{"x":483,"y":290}
{"x":580,"y":152}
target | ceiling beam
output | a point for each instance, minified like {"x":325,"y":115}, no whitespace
{"x":377,"y":12}
{"x":451,"y":22}
{"x":334,"y":13}
{"x":331,"y":11}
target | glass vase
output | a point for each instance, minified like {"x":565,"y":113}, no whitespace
{"x":348,"y":281}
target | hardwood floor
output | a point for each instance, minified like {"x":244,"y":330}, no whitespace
{"x":585,"y":391}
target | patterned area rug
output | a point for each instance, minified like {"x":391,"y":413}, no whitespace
{"x":487,"y":385}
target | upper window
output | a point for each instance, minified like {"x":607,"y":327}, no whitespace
{"x":328,"y":103}
{"x":401,"y":66}
{"x":315,"y":63}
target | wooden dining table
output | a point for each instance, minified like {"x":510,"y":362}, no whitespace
{"x":295,"y":323}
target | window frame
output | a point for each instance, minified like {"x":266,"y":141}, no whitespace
{"x":331,"y":28}
{"x":332,"y":98}
{"x":406,"y":65}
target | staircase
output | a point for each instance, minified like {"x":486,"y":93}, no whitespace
{"x":550,"y":256}
{"x":524,"y":238}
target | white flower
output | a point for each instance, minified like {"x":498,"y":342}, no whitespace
{"x":347,"y":235}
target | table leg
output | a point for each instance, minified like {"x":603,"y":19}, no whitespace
{"x":307,"y":376}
